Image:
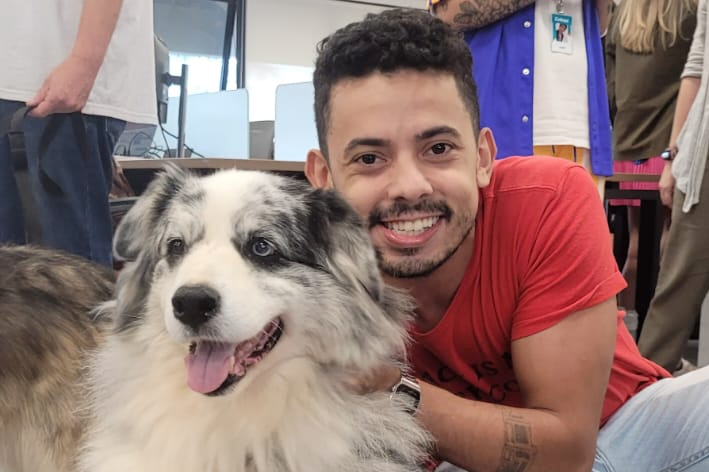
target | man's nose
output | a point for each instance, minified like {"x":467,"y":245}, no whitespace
{"x":409,"y":181}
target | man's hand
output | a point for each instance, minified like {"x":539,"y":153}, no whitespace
{"x":381,"y":379}
{"x":667,"y":185}
{"x":66,"y":89}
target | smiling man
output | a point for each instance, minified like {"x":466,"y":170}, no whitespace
{"x":519,"y":350}
{"x":415,"y":228}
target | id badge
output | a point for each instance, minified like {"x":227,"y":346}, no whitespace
{"x":562,"y":40}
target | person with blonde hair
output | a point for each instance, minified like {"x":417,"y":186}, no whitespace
{"x":646,"y":39}
{"x":683,"y":280}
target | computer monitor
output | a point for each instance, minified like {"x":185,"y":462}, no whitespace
{"x":137,"y":139}
{"x":261,"y":139}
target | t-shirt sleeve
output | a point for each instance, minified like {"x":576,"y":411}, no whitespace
{"x":569,"y":264}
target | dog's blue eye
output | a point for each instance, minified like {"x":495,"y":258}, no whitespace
{"x":175,"y":247}
{"x":263,"y":248}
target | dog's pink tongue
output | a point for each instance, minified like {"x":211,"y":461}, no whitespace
{"x":208,"y":367}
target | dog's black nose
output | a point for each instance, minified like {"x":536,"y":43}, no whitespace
{"x":194,"y":305}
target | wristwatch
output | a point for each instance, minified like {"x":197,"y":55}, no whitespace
{"x":669,"y":153}
{"x":408,"y":386}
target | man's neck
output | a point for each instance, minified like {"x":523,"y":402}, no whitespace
{"x":434,"y":293}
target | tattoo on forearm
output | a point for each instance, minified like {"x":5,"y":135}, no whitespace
{"x":518,"y":451}
{"x":479,"y":13}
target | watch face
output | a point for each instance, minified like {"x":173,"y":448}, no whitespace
{"x":410,"y":391}
{"x":413,"y":393}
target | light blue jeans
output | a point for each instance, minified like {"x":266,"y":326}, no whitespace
{"x":664,"y":428}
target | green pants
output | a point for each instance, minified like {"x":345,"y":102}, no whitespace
{"x":682,"y":283}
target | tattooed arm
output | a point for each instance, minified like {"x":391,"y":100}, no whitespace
{"x":473,"y":14}
{"x":563,"y":372}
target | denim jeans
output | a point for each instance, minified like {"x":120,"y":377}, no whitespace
{"x":664,"y":428}
{"x":79,"y":219}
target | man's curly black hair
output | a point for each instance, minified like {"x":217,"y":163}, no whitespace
{"x":391,"y":41}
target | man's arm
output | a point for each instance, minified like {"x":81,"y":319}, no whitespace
{"x":472,"y":14}
{"x":564,"y":373}
{"x":68,"y":86}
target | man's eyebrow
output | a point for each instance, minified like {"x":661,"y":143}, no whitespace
{"x":372,"y":142}
{"x":431,"y":132}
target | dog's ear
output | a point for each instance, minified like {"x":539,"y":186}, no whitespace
{"x":346,"y":240}
{"x":138,"y":224}
{"x":380,"y":312}
{"x":353,"y":257}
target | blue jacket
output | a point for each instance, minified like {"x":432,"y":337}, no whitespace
{"x":501,"y":51}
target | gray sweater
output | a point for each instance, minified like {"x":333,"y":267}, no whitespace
{"x":693,"y":141}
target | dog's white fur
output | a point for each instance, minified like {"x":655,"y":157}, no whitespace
{"x":292,"y":412}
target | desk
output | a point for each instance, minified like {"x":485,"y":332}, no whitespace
{"x":623,"y":177}
{"x":652,"y":214}
{"x":140,"y":172}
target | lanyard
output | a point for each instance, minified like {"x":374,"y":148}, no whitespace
{"x":560,"y":6}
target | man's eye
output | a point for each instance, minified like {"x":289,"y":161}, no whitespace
{"x":368,"y":159}
{"x":439,"y":148}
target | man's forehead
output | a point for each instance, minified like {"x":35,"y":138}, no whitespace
{"x":369,"y":104}
{"x":401,"y":75}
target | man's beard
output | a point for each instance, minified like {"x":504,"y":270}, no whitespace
{"x":417,"y":268}
{"x":411,"y":267}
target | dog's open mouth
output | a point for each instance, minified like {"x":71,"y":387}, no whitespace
{"x":213,"y":367}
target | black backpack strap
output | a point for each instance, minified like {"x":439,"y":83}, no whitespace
{"x":18,"y":159}
{"x":18,"y":152}
{"x":18,"y":156}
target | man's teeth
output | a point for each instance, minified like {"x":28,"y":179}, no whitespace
{"x":412,"y":227}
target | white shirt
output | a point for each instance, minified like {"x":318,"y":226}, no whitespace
{"x":560,"y":80}
{"x":37,"y":35}
{"x":693,"y":141}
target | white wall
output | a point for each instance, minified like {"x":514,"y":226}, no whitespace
{"x":287,"y":31}
{"x":281,"y":39}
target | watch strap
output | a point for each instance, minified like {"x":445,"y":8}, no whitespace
{"x":669,"y":153}
{"x":408,"y":386}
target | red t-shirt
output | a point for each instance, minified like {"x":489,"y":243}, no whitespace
{"x":542,"y":252}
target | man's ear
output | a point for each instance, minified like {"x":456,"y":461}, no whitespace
{"x":317,"y":170}
{"x":487,"y":150}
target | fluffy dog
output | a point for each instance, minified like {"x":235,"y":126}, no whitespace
{"x":246,"y":303}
